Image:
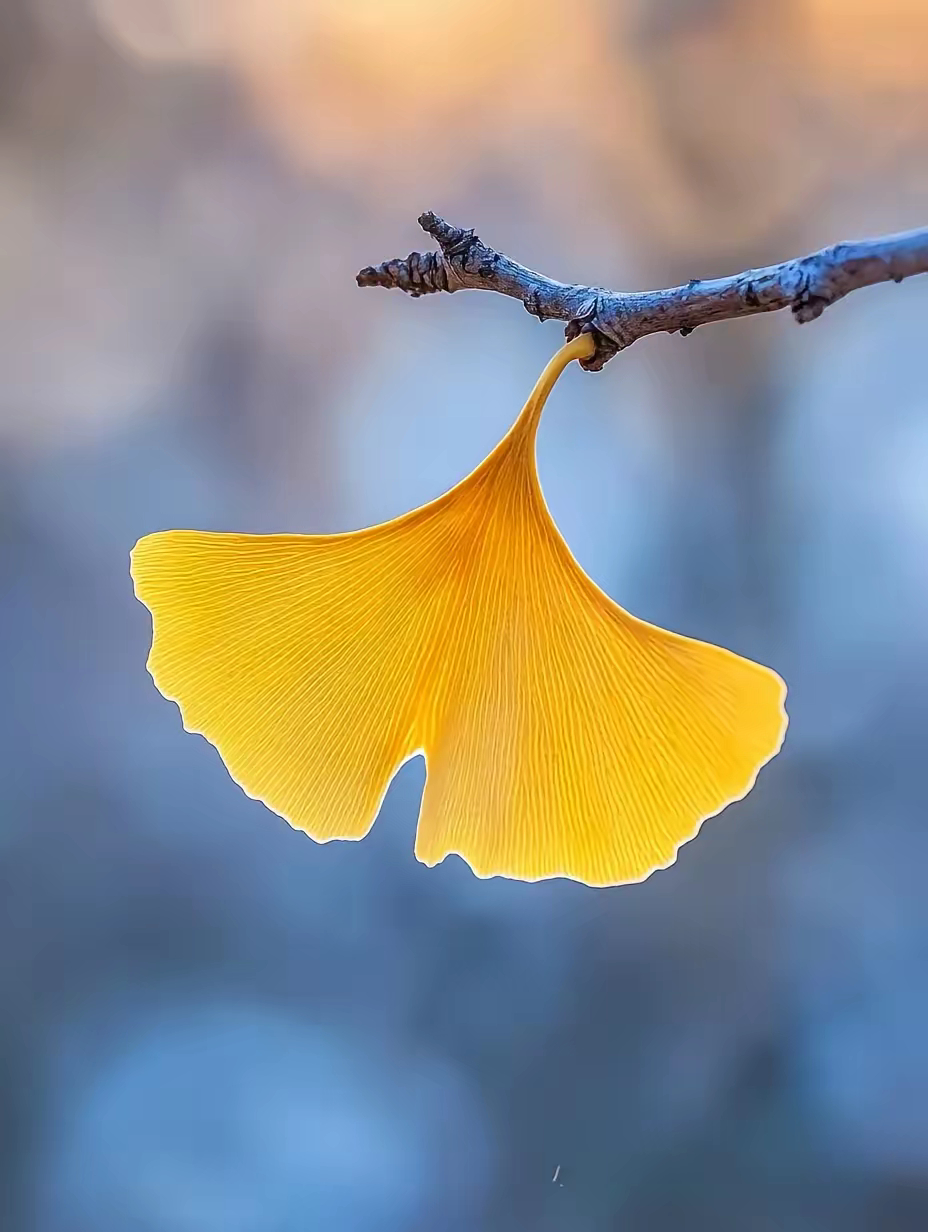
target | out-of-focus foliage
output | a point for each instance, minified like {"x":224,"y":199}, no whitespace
{"x":210,"y":1022}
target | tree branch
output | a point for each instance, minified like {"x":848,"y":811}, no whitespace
{"x":806,"y":285}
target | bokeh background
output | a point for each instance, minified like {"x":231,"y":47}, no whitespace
{"x":211,"y":1024}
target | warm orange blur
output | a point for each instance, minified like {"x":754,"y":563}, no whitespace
{"x":409,"y":93}
{"x":862,"y":45}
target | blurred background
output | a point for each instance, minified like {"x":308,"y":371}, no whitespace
{"x":211,"y":1024}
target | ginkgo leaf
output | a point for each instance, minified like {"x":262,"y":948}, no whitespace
{"x":562,"y":736}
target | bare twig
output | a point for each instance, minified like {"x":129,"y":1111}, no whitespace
{"x":806,"y":285}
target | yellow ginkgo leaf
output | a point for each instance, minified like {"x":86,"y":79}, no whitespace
{"x":562,"y":736}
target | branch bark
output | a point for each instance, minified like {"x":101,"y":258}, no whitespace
{"x":806,"y":285}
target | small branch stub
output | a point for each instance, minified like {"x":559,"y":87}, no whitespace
{"x":806,"y":285}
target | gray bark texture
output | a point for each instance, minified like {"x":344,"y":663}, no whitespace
{"x":806,"y":285}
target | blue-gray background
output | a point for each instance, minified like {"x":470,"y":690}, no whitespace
{"x":211,"y":1024}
